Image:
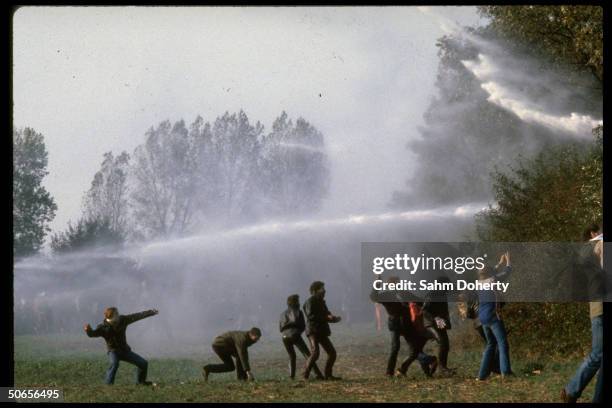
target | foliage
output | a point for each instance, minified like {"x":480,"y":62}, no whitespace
{"x":225,"y":172}
{"x":107,"y":196}
{"x":554,"y":195}
{"x":572,"y":34}
{"x":294,"y":166}
{"x":545,"y":54}
{"x":549,"y":328}
{"x":164,"y":177}
{"x":551,"y":197}
{"x":236,"y":146}
{"x":464,"y":135}
{"x":87,"y":233}
{"x":33,"y":206}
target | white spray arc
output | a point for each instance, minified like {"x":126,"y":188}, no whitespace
{"x":309,"y":225}
{"x":490,"y":69}
{"x":220,"y":280}
{"x":486,"y":71}
{"x":302,"y":146}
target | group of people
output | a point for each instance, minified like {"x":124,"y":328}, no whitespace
{"x":293,"y":322}
{"x":232,"y":347}
{"x":416,"y":322}
{"x":429,"y":319}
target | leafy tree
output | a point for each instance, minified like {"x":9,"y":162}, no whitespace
{"x":86,"y":234}
{"x":572,"y":34}
{"x":295,"y":172}
{"x":551,"y":197}
{"x":465,"y":135}
{"x":107,"y":197}
{"x":164,"y":171}
{"x":182,"y":178}
{"x":235,"y":146}
{"x":207,"y":188}
{"x":33,"y":206}
{"x":546,"y":188}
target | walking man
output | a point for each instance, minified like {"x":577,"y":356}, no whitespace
{"x":436,"y":320}
{"x":317,"y":329}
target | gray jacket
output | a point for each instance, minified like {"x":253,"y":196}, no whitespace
{"x":292,"y":322}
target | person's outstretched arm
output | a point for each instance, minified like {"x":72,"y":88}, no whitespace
{"x":503,"y":269}
{"x":243,"y":355}
{"x":97,"y":332}
{"x":329,"y":316}
{"x":333,"y":318}
{"x":134,"y":317}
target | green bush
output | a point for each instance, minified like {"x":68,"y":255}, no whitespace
{"x":559,"y":329}
{"x":551,"y":197}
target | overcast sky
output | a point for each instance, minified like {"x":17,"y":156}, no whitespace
{"x":94,"y":79}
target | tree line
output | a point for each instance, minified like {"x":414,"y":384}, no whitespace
{"x":181,"y":179}
{"x":465,"y":138}
{"x":554,"y":194}
{"x":543,"y":188}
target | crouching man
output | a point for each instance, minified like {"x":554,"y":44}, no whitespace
{"x":233,"y":345}
{"x":112,"y":329}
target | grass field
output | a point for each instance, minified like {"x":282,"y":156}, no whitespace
{"x":77,"y":364}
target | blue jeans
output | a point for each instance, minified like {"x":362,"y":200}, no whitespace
{"x":591,"y":364}
{"x":424,"y":360}
{"x":129,"y":357}
{"x":495,"y":333}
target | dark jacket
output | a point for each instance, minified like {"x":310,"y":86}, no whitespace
{"x":590,"y":275}
{"x":235,"y":343}
{"x":317,"y":314}
{"x":397,"y":312}
{"x":292,"y":322}
{"x":115,"y":335}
